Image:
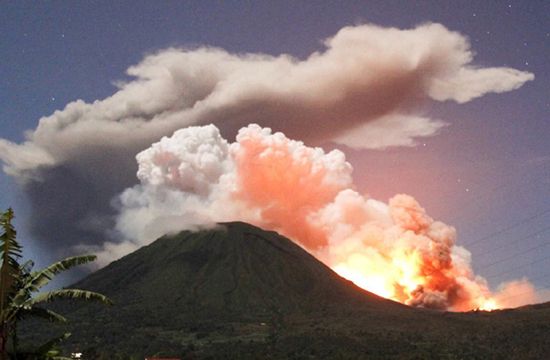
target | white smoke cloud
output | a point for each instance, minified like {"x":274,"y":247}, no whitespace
{"x":390,"y":130}
{"x":185,"y":184}
{"x":363,"y":80}
{"x":196,"y":178}
{"x":362,"y":89}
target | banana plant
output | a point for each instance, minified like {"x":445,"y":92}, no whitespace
{"x":20,"y":287}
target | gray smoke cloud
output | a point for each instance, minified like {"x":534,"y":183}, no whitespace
{"x":360,"y":90}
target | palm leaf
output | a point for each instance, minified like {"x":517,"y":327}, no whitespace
{"x":49,"y":345}
{"x":42,"y":277}
{"x":10,"y":253}
{"x":39,"y":279}
{"x":27,"y":267}
{"x":42,"y":313}
{"x":69,"y":294}
{"x":11,"y":247}
{"x":18,"y":283}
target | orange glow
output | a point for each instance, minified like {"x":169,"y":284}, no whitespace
{"x":375,"y":283}
{"x":489,"y":305}
{"x":395,"y":249}
{"x":402,"y":280}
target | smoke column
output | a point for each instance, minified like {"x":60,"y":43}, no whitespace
{"x":196,"y":178}
{"x":365,"y":87}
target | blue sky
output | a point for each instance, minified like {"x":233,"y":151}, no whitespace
{"x":487,"y":173}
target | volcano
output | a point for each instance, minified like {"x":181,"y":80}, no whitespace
{"x":237,"y":291}
{"x":234,"y":271}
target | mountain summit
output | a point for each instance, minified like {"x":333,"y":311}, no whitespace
{"x":235,"y":270}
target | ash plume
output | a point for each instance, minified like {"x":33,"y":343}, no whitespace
{"x":196,"y":178}
{"x":365,"y":84}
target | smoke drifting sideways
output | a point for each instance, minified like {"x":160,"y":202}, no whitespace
{"x":195,"y":179}
{"x":364,"y":89}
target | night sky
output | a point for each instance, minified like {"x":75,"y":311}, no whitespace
{"x":487,"y":173}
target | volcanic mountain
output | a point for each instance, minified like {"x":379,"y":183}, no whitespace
{"x":238,"y":291}
{"x":235,"y":271}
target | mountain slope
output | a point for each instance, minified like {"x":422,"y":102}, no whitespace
{"x":238,"y":291}
{"x":236,"y":269}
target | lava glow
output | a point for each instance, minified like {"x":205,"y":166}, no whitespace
{"x":393,"y":249}
{"x":489,"y":305}
{"x":400,"y":283}
{"x":375,"y":283}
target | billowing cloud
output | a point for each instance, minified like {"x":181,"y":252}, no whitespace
{"x":196,"y":178}
{"x":517,"y":292}
{"x":390,"y":130}
{"x":362,"y":89}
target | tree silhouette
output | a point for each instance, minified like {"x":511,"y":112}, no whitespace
{"x":20,"y":294}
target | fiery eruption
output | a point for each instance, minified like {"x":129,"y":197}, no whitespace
{"x":196,"y":178}
{"x":362,"y":88}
